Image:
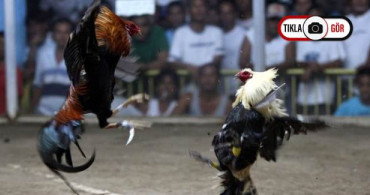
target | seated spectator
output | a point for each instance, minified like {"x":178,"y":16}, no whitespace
{"x":206,"y":99}
{"x":359,"y":105}
{"x":151,"y":46}
{"x":315,"y":57}
{"x":196,"y":44}
{"x":358,"y":44}
{"x":51,"y":82}
{"x":175,"y":18}
{"x":234,"y":36}
{"x":150,"y":49}
{"x":2,"y":77}
{"x":164,"y":102}
{"x":245,"y":13}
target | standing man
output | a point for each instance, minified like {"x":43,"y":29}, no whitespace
{"x":51,"y":82}
{"x":196,"y":44}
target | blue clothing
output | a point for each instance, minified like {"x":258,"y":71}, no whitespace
{"x":20,"y":28}
{"x":353,"y":107}
{"x":169,"y":35}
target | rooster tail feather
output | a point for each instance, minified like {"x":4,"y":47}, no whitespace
{"x":79,"y":148}
{"x":281,"y":128}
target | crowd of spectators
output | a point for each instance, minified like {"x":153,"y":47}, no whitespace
{"x":201,"y":36}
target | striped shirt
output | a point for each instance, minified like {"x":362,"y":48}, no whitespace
{"x":53,"y":80}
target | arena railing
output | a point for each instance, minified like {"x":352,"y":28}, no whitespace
{"x":343,"y":80}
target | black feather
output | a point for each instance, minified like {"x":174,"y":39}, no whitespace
{"x":281,"y":128}
{"x":69,"y":157}
{"x":79,"y":148}
{"x":92,"y":66}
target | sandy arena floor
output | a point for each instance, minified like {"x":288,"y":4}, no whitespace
{"x":335,"y":161}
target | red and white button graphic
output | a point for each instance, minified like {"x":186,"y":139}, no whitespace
{"x":306,"y":28}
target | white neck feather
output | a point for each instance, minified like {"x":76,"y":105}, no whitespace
{"x":255,"y":89}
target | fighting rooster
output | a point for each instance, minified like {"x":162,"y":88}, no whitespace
{"x":91,"y":57}
{"x":257,"y":124}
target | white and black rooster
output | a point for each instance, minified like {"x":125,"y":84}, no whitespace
{"x":257,"y":124}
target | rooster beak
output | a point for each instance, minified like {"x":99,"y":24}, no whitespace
{"x":236,"y":76}
{"x":139,"y":33}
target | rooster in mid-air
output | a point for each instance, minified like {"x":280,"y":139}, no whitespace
{"x":91,"y":55}
{"x":257,"y":124}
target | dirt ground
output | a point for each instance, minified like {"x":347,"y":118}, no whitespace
{"x":335,"y":161}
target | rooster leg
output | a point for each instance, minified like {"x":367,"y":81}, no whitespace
{"x":138,"y":98}
{"x":130,"y":126}
{"x":198,"y":157}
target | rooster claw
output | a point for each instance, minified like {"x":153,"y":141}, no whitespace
{"x":130,"y":126}
{"x":131,"y":137}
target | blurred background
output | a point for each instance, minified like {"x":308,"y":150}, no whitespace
{"x":189,"y":51}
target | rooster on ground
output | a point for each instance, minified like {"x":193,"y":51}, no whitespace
{"x":257,"y":124}
{"x":91,"y":55}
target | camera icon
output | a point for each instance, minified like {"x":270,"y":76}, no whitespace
{"x":315,"y":28}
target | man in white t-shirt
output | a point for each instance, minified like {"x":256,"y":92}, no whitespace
{"x":196,"y":44}
{"x":357,"y":45}
{"x":234,"y":36}
{"x":314,"y":57}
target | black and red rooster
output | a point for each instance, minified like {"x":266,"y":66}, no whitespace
{"x":91,"y":55}
{"x":257,"y":125}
